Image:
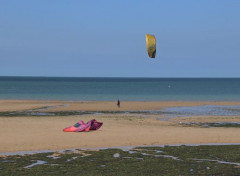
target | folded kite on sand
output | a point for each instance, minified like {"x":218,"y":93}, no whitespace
{"x":81,"y":126}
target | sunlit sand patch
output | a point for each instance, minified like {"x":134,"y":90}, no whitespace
{"x":85,"y":154}
{"x":73,"y":158}
{"x":54,"y":156}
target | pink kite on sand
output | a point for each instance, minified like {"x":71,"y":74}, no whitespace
{"x":81,"y":126}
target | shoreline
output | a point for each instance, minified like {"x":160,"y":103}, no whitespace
{"x":123,"y":148}
{"x":19,"y":105}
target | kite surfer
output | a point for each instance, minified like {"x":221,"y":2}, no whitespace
{"x":118,"y":103}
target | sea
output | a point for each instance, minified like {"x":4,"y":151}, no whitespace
{"x":127,"y":89}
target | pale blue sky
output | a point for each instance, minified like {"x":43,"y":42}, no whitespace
{"x":107,"y":38}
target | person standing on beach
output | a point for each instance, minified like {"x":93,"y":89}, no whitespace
{"x":118,"y":103}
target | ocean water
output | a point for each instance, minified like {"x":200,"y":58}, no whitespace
{"x":128,"y":89}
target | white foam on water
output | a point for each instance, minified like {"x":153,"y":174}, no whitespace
{"x":116,"y":155}
{"x":39,"y":162}
{"x":73,"y":158}
{"x":218,"y":161}
{"x":168,"y":156}
{"x":131,"y":152}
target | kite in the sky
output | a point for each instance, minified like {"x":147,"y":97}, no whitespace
{"x":151,"y":45}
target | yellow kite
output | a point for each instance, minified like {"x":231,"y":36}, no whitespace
{"x":151,"y":45}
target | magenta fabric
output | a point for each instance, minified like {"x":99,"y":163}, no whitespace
{"x":94,"y":124}
{"x":81,"y":126}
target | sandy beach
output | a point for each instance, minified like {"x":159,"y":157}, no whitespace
{"x":45,"y":133}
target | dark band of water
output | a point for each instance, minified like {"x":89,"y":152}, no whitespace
{"x":141,"y":89}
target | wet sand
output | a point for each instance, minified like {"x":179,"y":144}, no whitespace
{"x":45,"y":133}
{"x":19,"y":105}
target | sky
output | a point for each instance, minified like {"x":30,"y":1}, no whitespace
{"x":73,"y":38}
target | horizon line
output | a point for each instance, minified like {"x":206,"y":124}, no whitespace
{"x":125,"y":77}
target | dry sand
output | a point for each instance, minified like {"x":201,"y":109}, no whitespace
{"x":45,"y":133}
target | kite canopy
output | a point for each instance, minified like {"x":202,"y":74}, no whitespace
{"x":81,"y":126}
{"x":94,"y":125}
{"x":151,"y":45}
